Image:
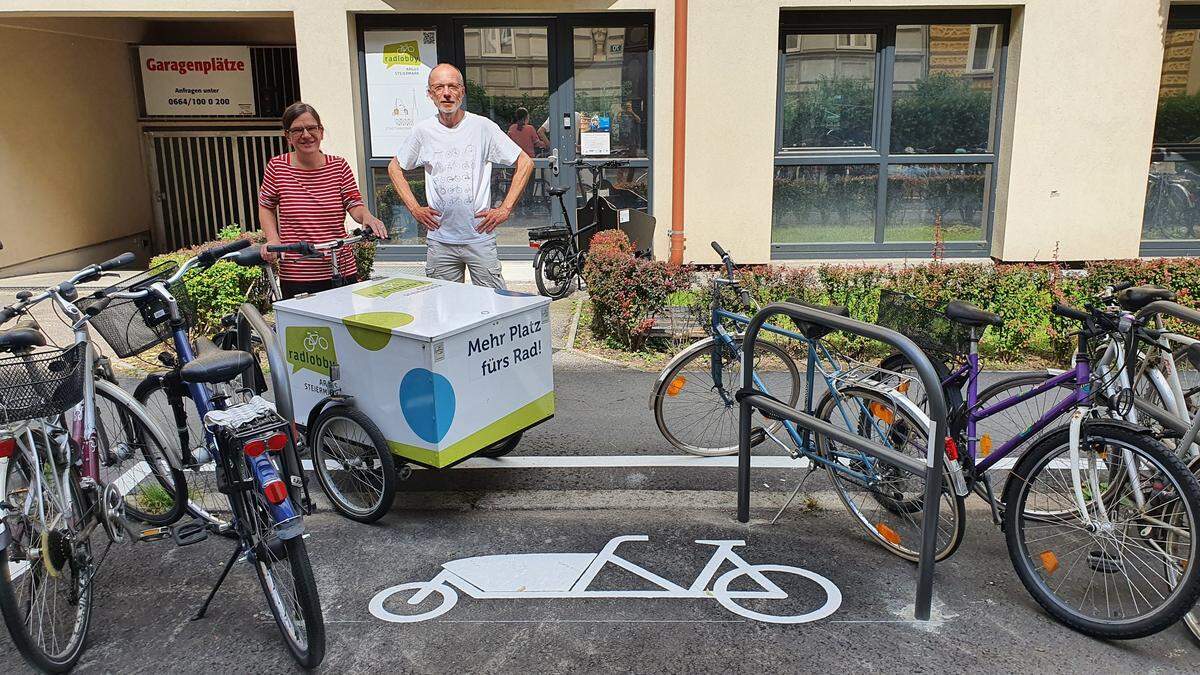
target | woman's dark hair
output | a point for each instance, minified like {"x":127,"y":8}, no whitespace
{"x":297,"y":109}
{"x":521,"y":116}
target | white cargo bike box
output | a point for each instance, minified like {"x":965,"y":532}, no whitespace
{"x":443,"y":369}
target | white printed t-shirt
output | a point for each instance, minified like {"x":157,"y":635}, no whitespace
{"x":458,"y":171}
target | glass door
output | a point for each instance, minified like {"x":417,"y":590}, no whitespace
{"x":609,"y":91}
{"x":511,"y":79}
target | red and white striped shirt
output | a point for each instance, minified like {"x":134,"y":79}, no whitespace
{"x":311,"y":206}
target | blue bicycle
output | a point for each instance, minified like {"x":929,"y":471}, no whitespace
{"x":695,"y":406}
{"x":247,"y":445}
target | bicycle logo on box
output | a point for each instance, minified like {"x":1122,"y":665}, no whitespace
{"x":524,"y":576}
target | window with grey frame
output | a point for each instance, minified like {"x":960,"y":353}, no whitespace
{"x":886,"y":133}
{"x":1171,"y":216}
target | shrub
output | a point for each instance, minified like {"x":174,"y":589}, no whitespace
{"x":627,"y":292}
{"x":220,"y":289}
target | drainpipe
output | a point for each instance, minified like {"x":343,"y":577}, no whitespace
{"x":680,"y":114}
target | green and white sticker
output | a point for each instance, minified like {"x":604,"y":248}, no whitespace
{"x":310,"y":347}
{"x":390,"y":287}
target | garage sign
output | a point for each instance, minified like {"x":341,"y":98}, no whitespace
{"x":196,"y":81}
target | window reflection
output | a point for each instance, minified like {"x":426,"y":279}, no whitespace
{"x":944,"y":88}
{"x":828,"y":90}
{"x":834,"y":203}
{"x":506,"y":68}
{"x":611,"y":71}
{"x":923,"y":199}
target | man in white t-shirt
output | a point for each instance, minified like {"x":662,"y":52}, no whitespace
{"x":457,"y":149}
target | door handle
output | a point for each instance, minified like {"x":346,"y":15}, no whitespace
{"x":554,"y":161}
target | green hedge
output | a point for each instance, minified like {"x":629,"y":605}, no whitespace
{"x":627,"y":292}
{"x":221,"y":289}
{"x":1021,"y":293}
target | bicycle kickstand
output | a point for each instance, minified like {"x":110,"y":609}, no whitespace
{"x":237,"y":553}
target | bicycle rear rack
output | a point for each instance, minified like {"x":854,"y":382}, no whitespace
{"x":751,"y":398}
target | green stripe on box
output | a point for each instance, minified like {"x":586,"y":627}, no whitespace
{"x":502,"y":428}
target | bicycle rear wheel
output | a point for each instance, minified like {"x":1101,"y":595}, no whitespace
{"x":46,"y":569}
{"x":887,"y":501}
{"x":1131,"y":573}
{"x":698,"y":415}
{"x":353,"y":463}
{"x":554,"y":271}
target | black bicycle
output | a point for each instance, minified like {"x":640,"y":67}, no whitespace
{"x":562,"y":249}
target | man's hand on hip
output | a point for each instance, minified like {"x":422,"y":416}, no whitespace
{"x":492,"y":218}
{"x":427,"y":216}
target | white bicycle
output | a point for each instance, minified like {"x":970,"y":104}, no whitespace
{"x":524,"y":576}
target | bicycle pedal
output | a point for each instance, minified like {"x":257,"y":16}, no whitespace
{"x":186,"y":534}
{"x":154,"y":534}
{"x":757,"y":436}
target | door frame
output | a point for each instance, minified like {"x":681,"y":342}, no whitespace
{"x":561,"y":52}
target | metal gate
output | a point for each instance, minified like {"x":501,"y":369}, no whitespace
{"x":206,"y":180}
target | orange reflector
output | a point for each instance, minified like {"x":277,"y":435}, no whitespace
{"x":888,"y":533}
{"x":676,"y":386}
{"x":1049,"y":561}
{"x":903,"y":388}
{"x":884,"y":413}
{"x":985,"y":445}
{"x":535,"y":245}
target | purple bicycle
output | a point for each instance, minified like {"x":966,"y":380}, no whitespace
{"x":1099,"y":516}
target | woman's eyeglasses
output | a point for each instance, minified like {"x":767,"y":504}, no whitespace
{"x":297,"y":132}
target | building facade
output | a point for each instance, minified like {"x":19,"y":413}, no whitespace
{"x":815,"y":129}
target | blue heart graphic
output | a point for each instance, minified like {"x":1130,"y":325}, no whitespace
{"x":427,"y":400}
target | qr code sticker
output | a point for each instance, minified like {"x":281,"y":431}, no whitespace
{"x":429,"y":38}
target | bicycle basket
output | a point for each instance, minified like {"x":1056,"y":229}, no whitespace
{"x":927,"y":327}
{"x":42,"y":384}
{"x":132,"y":326}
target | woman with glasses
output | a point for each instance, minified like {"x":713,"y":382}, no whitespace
{"x":305,"y":196}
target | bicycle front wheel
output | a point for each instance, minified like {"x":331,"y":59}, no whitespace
{"x":695,"y":411}
{"x":1129,"y":568}
{"x":46,"y":570}
{"x":887,"y":501}
{"x":133,"y":458}
{"x":353,"y":463}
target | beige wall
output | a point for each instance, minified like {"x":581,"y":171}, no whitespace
{"x":71,"y":172}
{"x":1078,"y":118}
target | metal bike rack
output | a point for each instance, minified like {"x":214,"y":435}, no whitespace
{"x":750,"y":398}
{"x":249,"y":318}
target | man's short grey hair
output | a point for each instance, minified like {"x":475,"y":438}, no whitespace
{"x":451,"y":66}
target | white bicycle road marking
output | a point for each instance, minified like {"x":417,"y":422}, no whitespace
{"x":525,"y":576}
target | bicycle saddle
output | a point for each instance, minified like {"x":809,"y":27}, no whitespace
{"x":214,"y":365}
{"x":556,"y":191}
{"x":970,"y":315}
{"x":20,"y":339}
{"x":1137,"y":297}
{"x":814,"y":331}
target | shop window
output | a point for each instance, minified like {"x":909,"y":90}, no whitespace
{"x":1171,"y":216}
{"x":886,"y":139}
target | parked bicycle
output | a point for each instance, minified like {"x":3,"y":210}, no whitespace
{"x":562,"y":249}
{"x":246,"y":445}
{"x":696,"y":409}
{"x":1098,"y":514}
{"x":101,"y":466}
{"x":351,"y":459}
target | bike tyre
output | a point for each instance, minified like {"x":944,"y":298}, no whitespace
{"x":205,"y":501}
{"x":502,"y":447}
{"x":1183,"y":595}
{"x":13,"y":608}
{"x":153,"y":442}
{"x":728,"y":415}
{"x":321,"y":428}
{"x":559,"y":254}
{"x":904,"y":508}
{"x":310,"y":654}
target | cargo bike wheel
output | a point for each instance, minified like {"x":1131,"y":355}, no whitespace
{"x":353,"y":463}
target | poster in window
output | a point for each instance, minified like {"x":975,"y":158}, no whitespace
{"x":398,"y":64}
{"x":196,"y":81}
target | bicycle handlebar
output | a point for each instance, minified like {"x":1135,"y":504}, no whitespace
{"x":212,"y":255}
{"x":65,"y":289}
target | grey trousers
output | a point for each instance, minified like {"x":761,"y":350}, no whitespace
{"x":450,"y":262}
